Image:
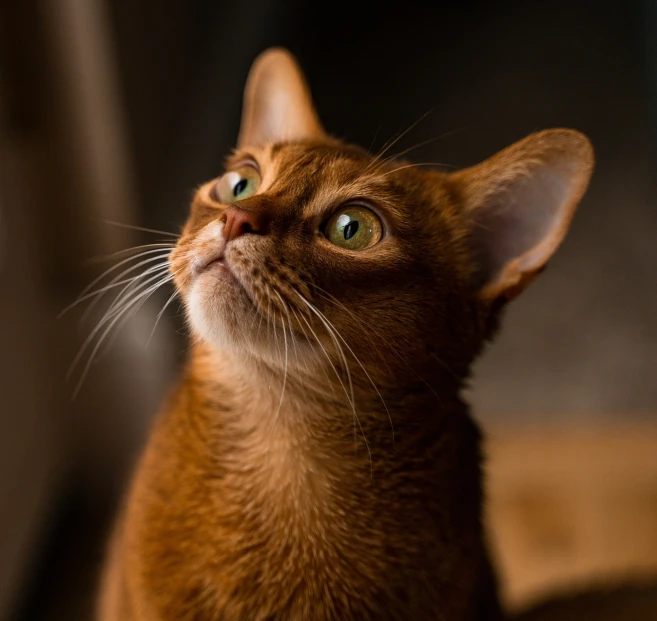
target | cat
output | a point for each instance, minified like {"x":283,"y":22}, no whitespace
{"x":316,"y":460}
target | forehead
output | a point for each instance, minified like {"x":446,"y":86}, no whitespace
{"x":313,"y":176}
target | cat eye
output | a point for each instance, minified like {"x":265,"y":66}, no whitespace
{"x":237,"y":185}
{"x":354,"y":227}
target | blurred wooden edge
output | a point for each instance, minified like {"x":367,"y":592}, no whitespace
{"x":570,"y":506}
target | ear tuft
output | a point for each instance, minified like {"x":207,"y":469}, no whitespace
{"x":277,"y":102}
{"x":520,"y":203}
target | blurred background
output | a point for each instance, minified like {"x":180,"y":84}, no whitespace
{"x":115,"y":111}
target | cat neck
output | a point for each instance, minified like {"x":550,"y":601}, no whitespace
{"x":294,"y":478}
{"x":323,"y":415}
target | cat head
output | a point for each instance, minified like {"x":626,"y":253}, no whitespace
{"x":307,"y":249}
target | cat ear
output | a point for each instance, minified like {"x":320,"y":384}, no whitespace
{"x":277,"y":102}
{"x":520,"y":203}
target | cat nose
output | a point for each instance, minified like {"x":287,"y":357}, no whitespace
{"x":239,"y":221}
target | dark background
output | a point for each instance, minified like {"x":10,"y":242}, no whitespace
{"x":117,"y":110}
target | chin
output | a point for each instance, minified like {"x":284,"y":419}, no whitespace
{"x":219,"y":311}
{"x":222,"y":315}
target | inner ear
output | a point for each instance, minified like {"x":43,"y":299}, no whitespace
{"x":519,"y":205}
{"x":277,"y":102}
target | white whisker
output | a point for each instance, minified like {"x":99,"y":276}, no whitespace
{"x":392,"y":142}
{"x":419,"y":145}
{"x":114,"y":283}
{"x":326,"y":295}
{"x":106,"y":257}
{"x":117,"y":307}
{"x":110,"y":270}
{"x":134,"y":227}
{"x":332,"y":333}
{"x":132,"y":288}
{"x":292,"y":337}
{"x":318,"y":341}
{"x":280,"y":403}
{"x":126,"y":317}
{"x":174,"y":295}
{"x":112,"y":310}
{"x":364,"y":371}
{"x":116,"y":316}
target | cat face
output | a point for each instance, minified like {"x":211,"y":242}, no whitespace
{"x":306,"y":248}
{"x":321,"y":236}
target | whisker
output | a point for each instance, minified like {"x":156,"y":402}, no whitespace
{"x":419,"y":145}
{"x":113,"y":284}
{"x":144,"y":295}
{"x":138,"y":228}
{"x":109,"y":314}
{"x":255,"y":317}
{"x":376,"y":133}
{"x":271,"y":321}
{"x":159,"y":267}
{"x":126,"y":317}
{"x":260,"y":312}
{"x":332,"y":332}
{"x":390,"y":172}
{"x":132,"y":289}
{"x":330,"y":298}
{"x":394,"y":156}
{"x":111,"y":269}
{"x":305,"y":334}
{"x":136,"y":293}
{"x":121,"y":318}
{"x":174,"y":295}
{"x":320,"y":314}
{"x":389,"y":144}
{"x":293,"y":339}
{"x":280,"y":403}
{"x":106,"y":257}
{"x":318,"y":341}
{"x":333,"y":299}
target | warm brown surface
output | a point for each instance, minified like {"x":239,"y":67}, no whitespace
{"x":570,"y":506}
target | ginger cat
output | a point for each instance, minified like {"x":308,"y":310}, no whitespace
{"x":316,"y":460}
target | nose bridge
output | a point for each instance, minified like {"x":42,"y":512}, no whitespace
{"x":258,"y":215}
{"x":260,"y":203}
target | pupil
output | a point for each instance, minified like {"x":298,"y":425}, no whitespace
{"x":351,"y":229}
{"x":240,"y":186}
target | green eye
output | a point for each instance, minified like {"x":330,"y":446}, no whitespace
{"x":354,"y":227}
{"x":237,"y":185}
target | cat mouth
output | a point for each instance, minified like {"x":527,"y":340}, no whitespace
{"x":215,"y":262}
{"x":223,"y":273}
{"x":217,"y":265}
{"x":219,"y":262}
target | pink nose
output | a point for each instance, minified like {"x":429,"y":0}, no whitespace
{"x":238,"y":221}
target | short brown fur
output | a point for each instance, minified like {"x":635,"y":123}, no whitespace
{"x":263,"y":493}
